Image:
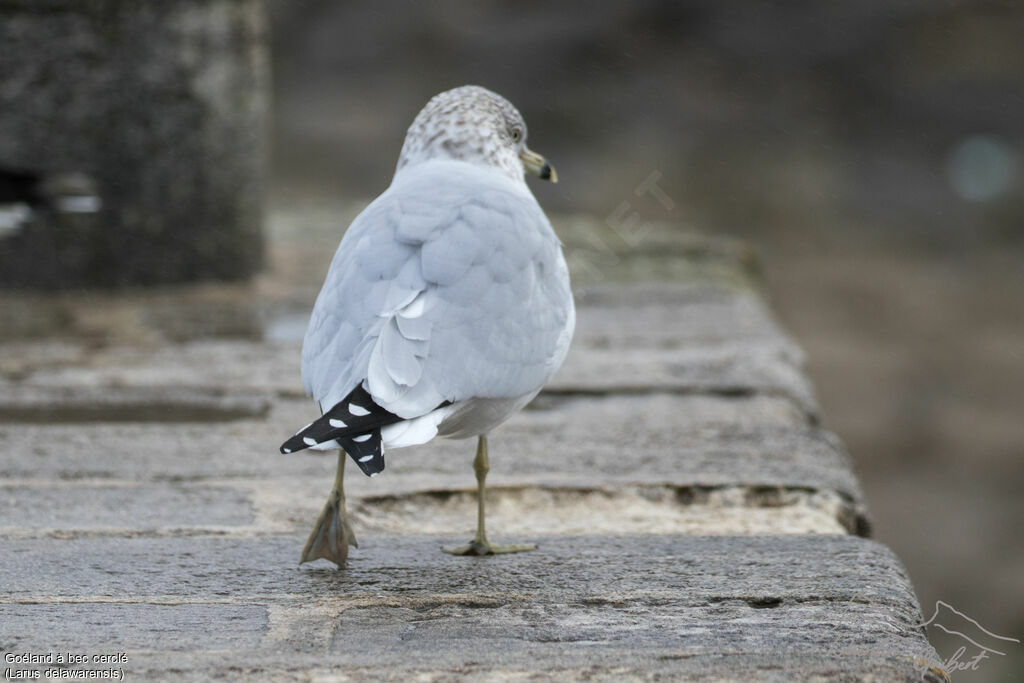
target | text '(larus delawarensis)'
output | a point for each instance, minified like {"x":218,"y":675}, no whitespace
{"x":445,"y":310}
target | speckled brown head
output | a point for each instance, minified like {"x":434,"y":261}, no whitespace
{"x":474,"y":125}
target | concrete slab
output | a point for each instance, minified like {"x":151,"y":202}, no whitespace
{"x":725,"y":454}
{"x":27,"y":403}
{"x":626,"y":436}
{"x":60,"y":507}
{"x":693,"y":519}
{"x":794,"y":607}
{"x":701,"y":337}
{"x":111,"y":627}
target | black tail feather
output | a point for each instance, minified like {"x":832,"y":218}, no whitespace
{"x":355,"y":423}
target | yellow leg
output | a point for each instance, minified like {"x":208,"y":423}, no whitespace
{"x":332,"y":534}
{"x":480,"y":545}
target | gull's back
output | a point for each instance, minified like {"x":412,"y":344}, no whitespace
{"x":451,"y":286}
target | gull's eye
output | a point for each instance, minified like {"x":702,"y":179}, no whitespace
{"x":516,"y":134}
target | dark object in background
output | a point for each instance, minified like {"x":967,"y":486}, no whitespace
{"x":23,"y":194}
{"x":20,"y":187}
{"x":132,"y":142}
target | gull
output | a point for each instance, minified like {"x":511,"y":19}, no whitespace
{"x":446,"y":308}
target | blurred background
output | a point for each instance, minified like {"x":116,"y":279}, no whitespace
{"x":870,"y":152}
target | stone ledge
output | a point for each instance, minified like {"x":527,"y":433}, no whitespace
{"x":681,"y":440}
{"x":760,"y":448}
{"x":791,"y":606}
{"x":227,"y":507}
{"x":694,"y":337}
{"x":27,"y":404}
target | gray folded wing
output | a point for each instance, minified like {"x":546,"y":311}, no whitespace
{"x":447,"y":287}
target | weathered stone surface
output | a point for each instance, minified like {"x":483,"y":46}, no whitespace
{"x":27,"y":403}
{"x":759,"y":447}
{"x":788,"y":607}
{"x":693,"y":520}
{"x":163,"y":106}
{"x":249,"y":447}
{"x":693,"y":337}
{"x":690,"y":337}
{"x":64,"y":507}
{"x":109,"y":627}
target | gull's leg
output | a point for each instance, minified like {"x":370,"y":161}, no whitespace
{"x":480,"y":545}
{"x":332,"y":535}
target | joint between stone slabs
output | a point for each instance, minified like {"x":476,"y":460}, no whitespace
{"x":31,"y":404}
{"x":553,"y":396}
{"x":842,"y":508}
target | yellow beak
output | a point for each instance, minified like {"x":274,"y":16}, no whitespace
{"x":537,"y":165}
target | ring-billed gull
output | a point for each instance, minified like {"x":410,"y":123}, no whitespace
{"x":445,"y":310}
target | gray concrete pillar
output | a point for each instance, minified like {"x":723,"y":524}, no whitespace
{"x":132,"y":141}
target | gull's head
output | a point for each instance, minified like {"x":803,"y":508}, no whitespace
{"x":474,"y":125}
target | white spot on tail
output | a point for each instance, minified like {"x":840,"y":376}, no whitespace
{"x":366,"y":458}
{"x":287,"y":450}
{"x":358,"y":411}
{"x":361,"y":438}
{"x":308,"y":441}
{"x":337,"y":424}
